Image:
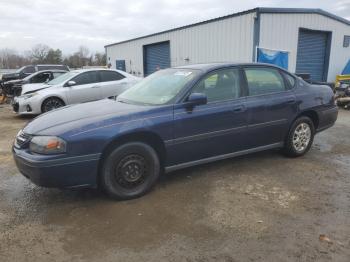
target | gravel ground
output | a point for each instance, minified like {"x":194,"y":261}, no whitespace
{"x":262,"y":207}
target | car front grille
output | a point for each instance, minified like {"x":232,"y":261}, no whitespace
{"x":22,"y":140}
{"x":17,"y":89}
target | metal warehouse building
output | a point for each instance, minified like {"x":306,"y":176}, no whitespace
{"x":316,"y":42}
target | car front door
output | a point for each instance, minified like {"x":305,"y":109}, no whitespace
{"x":112,"y":83}
{"x":271,"y":106}
{"x":215,"y":128}
{"x":86,"y":88}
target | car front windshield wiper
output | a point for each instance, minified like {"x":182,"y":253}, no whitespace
{"x":130,"y":102}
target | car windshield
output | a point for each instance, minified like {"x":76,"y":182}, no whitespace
{"x":30,"y":76}
{"x":20,"y":69}
{"x":159,"y":88}
{"x":62,"y":78}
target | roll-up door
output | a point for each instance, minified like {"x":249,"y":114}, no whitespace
{"x":313,"y":53}
{"x":156,"y":56}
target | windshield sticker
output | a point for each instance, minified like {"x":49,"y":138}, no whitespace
{"x":182,"y":73}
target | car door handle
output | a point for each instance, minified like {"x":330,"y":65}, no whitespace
{"x":95,"y":87}
{"x":238,"y":109}
{"x":291,"y":101}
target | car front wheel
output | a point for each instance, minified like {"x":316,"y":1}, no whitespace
{"x":51,"y":103}
{"x":130,"y":170}
{"x":300,"y":137}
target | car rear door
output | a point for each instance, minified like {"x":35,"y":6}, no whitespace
{"x":271,"y":105}
{"x":112,"y":83}
{"x":215,"y":128}
{"x":87,"y":88}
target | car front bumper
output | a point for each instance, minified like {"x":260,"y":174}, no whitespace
{"x":61,"y":172}
{"x":26,"y":106}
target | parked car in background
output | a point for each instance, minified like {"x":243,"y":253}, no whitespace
{"x":71,"y":88}
{"x":14,"y":87}
{"x":30,"y":69}
{"x":174,"y":118}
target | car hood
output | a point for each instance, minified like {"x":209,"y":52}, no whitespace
{"x":33,"y":87}
{"x":76,"y":118}
{"x":10,"y":76}
{"x":15,"y":81}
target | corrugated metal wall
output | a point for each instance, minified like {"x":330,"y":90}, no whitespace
{"x":225,"y":40}
{"x":280,"y":31}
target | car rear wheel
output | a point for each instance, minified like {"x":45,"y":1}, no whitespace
{"x":130,"y":171}
{"x":300,"y":137}
{"x":51,"y":103}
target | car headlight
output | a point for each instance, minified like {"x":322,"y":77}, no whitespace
{"x":26,"y":96}
{"x":47,"y":145}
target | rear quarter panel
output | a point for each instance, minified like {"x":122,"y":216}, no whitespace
{"x":319,"y":99}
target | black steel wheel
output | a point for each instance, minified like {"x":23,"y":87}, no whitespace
{"x":130,"y":170}
{"x":51,"y":103}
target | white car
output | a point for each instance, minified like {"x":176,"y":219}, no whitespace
{"x":73,"y":87}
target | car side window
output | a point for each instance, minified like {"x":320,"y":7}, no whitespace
{"x":41,"y":78}
{"x":290,"y":79}
{"x":107,"y":76}
{"x":86,"y":78}
{"x":264,"y":81}
{"x":220,"y":85}
{"x":29,"y":70}
{"x":42,"y":68}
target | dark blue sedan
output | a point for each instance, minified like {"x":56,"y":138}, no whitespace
{"x":173,"y":119}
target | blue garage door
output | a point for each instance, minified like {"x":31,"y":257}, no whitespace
{"x":312,"y":57}
{"x":156,"y":56}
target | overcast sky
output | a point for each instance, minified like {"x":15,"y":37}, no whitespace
{"x":66,"y":24}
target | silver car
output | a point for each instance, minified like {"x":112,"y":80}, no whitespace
{"x":71,"y":88}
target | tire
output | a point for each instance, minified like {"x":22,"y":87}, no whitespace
{"x":51,"y":103}
{"x":300,"y":137}
{"x":130,"y":171}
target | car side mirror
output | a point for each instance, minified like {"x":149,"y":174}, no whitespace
{"x":71,"y":83}
{"x":196,"y":99}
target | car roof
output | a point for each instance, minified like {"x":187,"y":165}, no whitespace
{"x":51,"y":65}
{"x":48,"y":70}
{"x":93,"y":69}
{"x":214,"y":66}
{"x":51,"y":70}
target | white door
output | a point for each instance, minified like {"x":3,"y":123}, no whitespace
{"x":86,"y":88}
{"x":113,"y":83}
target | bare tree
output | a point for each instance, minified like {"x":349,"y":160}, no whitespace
{"x":83,"y":54}
{"x":39,"y":53}
{"x":99,"y":59}
{"x":83,"y":51}
{"x":11,"y":59}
